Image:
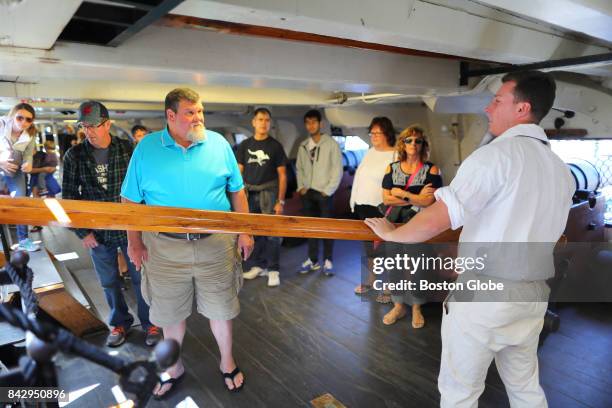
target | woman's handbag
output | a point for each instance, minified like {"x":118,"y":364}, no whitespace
{"x":401,"y":214}
{"x":397,"y":214}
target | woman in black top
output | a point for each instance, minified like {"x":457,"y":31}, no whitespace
{"x":408,"y":186}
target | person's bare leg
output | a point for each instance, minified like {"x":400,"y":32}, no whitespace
{"x":398,"y":312}
{"x":176,"y":332}
{"x":363,"y":288}
{"x":418,"y":320}
{"x":222,"y":330}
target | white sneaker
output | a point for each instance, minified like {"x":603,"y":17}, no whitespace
{"x":328,"y":268}
{"x":309,"y":266}
{"x":273,"y":278}
{"x":253,"y":273}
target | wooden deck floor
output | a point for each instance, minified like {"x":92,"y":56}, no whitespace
{"x":312,"y":336}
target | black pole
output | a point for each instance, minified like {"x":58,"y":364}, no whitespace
{"x":565,"y":62}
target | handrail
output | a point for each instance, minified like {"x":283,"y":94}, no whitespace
{"x":136,"y":217}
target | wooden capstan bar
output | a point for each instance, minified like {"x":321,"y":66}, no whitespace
{"x":136,"y":217}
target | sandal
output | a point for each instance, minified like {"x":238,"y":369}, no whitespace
{"x":231,"y":377}
{"x":383,"y":298}
{"x":418,"y":324}
{"x":393,"y":316}
{"x":173,"y":382}
{"x":363,"y":289}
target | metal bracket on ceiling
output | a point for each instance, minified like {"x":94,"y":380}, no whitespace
{"x":465,"y":73}
{"x":152,"y":16}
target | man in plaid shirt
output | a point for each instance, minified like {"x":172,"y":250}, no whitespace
{"x":94,"y":170}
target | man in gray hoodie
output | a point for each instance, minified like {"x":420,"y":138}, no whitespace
{"x":319,"y":171}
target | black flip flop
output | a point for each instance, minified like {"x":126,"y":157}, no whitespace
{"x":231,"y":376}
{"x":174,"y":382}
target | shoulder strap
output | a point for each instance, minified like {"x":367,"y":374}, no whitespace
{"x":413,"y":175}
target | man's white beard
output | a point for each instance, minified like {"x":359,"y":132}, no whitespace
{"x":196,"y":134}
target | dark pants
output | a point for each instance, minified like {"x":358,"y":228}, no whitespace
{"x":367,"y":211}
{"x":315,"y":204}
{"x":266,"y":253}
{"x":105,"y":264}
{"x":363,"y":211}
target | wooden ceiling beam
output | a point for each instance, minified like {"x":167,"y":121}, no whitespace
{"x":178,"y":21}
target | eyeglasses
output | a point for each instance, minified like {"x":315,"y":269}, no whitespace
{"x":85,"y":127}
{"x":417,"y":141}
{"x":22,"y":118}
{"x":376,"y":134}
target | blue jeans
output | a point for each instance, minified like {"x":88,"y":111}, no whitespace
{"x":17,"y":188}
{"x":105,"y":263}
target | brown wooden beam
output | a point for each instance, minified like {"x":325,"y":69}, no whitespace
{"x":100,"y":215}
{"x":179,"y":21}
{"x":563,"y":133}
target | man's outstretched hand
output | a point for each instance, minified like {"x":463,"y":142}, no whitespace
{"x":380,"y":226}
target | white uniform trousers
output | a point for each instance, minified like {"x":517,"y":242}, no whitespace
{"x":475,"y":333}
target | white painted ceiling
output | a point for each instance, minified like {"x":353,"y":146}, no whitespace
{"x":34,"y":23}
{"x":240,"y":70}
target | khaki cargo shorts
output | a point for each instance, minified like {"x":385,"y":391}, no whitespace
{"x":177,"y":269}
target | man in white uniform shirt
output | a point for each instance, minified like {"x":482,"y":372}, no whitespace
{"x":512,"y":190}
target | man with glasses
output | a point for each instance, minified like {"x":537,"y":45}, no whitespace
{"x":94,"y":170}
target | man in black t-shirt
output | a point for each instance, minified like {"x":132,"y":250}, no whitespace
{"x":262,"y":160}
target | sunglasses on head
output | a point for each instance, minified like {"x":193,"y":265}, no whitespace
{"x":416,"y":140}
{"x":22,"y":118}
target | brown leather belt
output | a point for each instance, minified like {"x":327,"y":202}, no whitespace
{"x":187,"y":236}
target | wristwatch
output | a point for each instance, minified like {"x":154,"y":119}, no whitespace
{"x":281,"y":202}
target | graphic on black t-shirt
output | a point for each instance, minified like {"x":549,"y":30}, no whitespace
{"x":260,"y":159}
{"x":258,"y":156}
{"x":101,"y":169}
{"x":102,"y":175}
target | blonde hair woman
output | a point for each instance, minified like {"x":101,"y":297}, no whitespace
{"x":17,"y":143}
{"x":408,"y":186}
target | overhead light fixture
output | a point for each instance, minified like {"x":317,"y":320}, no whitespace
{"x":340,"y":98}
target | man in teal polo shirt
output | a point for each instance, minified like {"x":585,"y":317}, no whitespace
{"x":187,"y":166}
